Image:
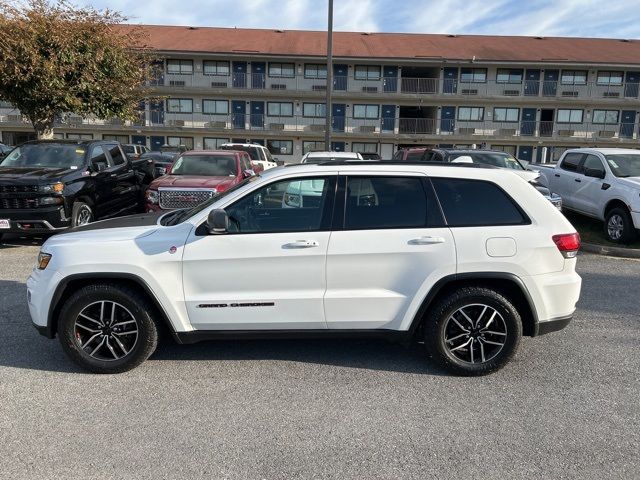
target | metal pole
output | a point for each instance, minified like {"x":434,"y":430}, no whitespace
{"x":328,"y":108}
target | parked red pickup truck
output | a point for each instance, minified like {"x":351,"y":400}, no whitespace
{"x":195,"y":177}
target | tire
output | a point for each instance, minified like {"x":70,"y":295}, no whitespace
{"x":618,"y":226}
{"x":81,"y":214}
{"x":484,"y":356}
{"x":116,"y":348}
{"x":1,"y":235}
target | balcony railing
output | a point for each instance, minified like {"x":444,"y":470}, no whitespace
{"x":394,"y":85}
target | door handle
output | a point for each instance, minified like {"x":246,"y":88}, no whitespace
{"x":426,"y":240}
{"x":577,"y":180}
{"x":556,"y":175}
{"x":113,"y":175}
{"x":301,"y":244}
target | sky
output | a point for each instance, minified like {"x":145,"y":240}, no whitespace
{"x":575,"y":18}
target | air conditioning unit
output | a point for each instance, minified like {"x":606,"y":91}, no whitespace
{"x":469,"y":91}
{"x":511,"y":93}
{"x":569,"y":93}
{"x":175,"y":123}
{"x":316,"y":128}
{"x":218,"y":125}
{"x":606,"y":134}
{"x":75,"y":120}
{"x":276,"y":126}
{"x":278,"y":86}
{"x":370,"y":89}
{"x":611,"y":94}
{"x":467,"y":131}
{"x":219,"y":84}
{"x":177,"y":83}
{"x":507,"y":132}
{"x":368,"y":128}
{"x":319,"y":88}
{"x":565,"y":133}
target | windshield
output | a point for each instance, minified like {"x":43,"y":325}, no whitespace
{"x":252,"y":151}
{"x":207,"y":165}
{"x":502,"y":160}
{"x":46,"y":155}
{"x":624,"y":165}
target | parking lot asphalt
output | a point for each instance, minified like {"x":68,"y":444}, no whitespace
{"x":568,"y":406}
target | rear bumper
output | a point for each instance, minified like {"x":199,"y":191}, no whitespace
{"x":555,"y":294}
{"x":36,"y":220}
{"x":553,"y":325}
{"x":636,"y":219}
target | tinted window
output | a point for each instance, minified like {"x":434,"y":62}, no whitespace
{"x":593,"y":162}
{"x":414,"y":156}
{"x":116,"y":155}
{"x":293,"y":205}
{"x":98,"y":159}
{"x":475,"y":203}
{"x":571,"y":162}
{"x":385,"y":202}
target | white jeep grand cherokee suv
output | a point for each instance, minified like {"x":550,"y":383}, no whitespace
{"x":466,"y":259}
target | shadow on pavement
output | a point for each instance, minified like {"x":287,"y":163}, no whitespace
{"x":11,"y":241}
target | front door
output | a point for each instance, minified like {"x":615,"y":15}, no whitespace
{"x":239,"y":78}
{"x":388,"y":118}
{"x":157,"y":142}
{"x":338,"y":119}
{"x":257,"y":114}
{"x":273,"y":259}
{"x":258,"y":75}
{"x":528,"y":124}
{"x":525,"y":152}
{"x":238,"y":109}
{"x":340,"y":79}
{"x":546,"y":122}
{"x":139,"y":140}
{"x":123,"y":181}
{"x":389,"y":239}
{"x":390,"y":75}
{"x":631,"y":84}
{"x":532,"y":83}
{"x":550,"y":84}
{"x":447,"y":119}
{"x":589,"y":196}
{"x":627,"y":123}
{"x":450,"y":80}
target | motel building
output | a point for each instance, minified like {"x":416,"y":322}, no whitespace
{"x":531,"y":96}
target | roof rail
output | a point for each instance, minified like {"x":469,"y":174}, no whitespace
{"x":392,"y":162}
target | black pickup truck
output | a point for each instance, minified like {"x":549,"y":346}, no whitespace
{"x":50,"y":185}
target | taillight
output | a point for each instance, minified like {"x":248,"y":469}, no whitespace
{"x":568,"y":244}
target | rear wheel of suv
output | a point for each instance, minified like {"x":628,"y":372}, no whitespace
{"x":107,"y":328}
{"x":81,"y":214}
{"x":473,"y":331}
{"x":618,"y":226}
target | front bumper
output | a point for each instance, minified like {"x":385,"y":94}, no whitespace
{"x":41,"y":286}
{"x":35,"y":220}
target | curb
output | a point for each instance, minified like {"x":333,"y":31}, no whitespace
{"x":610,"y":251}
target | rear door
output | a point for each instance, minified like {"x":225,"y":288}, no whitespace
{"x":566,"y":179}
{"x":387,"y":249}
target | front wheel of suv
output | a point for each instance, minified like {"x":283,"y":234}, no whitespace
{"x":107,"y":328}
{"x":473,"y":331}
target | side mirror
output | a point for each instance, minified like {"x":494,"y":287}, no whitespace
{"x":525,"y":163}
{"x":98,"y":167}
{"x":463,"y":159}
{"x":594,"y":173}
{"x":248,"y":173}
{"x":218,"y":222}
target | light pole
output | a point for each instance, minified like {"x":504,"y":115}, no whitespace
{"x":328,"y":109}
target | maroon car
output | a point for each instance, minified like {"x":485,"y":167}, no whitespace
{"x":195,"y":177}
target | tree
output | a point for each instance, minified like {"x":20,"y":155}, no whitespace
{"x":57,"y":58}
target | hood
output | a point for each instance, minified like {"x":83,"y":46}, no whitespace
{"x":526,"y":174}
{"x":192,"y":181}
{"x":25,"y":175}
{"x":633,"y":182}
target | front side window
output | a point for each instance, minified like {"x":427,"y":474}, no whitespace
{"x":473,"y":75}
{"x":213,"y":67}
{"x":313,"y":70}
{"x":592,"y":162}
{"x":605,"y":116}
{"x":281,"y":69}
{"x":573,"y":77}
{"x":314,"y":110}
{"x":505,"y":75}
{"x":215,"y":107}
{"x":473,"y":114}
{"x":569,"y":116}
{"x":367,"y":72}
{"x":459,"y":201}
{"x":280,"y":109}
{"x":624,"y":165}
{"x":181,"y":67}
{"x":180,"y":105}
{"x":116,"y":155}
{"x":292,"y":205}
{"x":385,"y":202}
{"x":280,"y":147}
{"x":506,"y":114}
{"x":609,"y":78}
{"x":366,"y":111}
{"x":98,"y":158}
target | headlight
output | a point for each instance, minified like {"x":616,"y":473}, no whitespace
{"x":53,"y":188}
{"x":152,"y":196}
{"x":43,"y":260}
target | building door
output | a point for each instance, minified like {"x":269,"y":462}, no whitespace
{"x":139,"y":140}
{"x":337,"y":146}
{"x":627,"y":123}
{"x":238,"y":109}
{"x":532,"y":83}
{"x":447,"y":119}
{"x":386,"y":151}
{"x":258,"y":74}
{"x":340,"y":79}
{"x":390,"y":75}
{"x":239,"y":79}
{"x":631,"y":84}
{"x":257,"y":114}
{"x":450,"y":80}
{"x":550,"y":84}
{"x":525,"y":152}
{"x":546,"y":122}
{"x":388,"y":118}
{"x":338,"y":117}
{"x":156,"y":143}
{"x":528,"y":125}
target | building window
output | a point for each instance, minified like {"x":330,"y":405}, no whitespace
{"x":180,"y":105}
{"x":574,"y":77}
{"x":215,"y":107}
{"x":569,"y":116}
{"x":280,"y":147}
{"x":366,"y":111}
{"x":308,"y":146}
{"x":280,"y":109}
{"x":214,"y":67}
{"x":80,"y":136}
{"x":214,"y":143}
{"x":57,"y":136}
{"x":471,"y":114}
{"x":117,"y":138}
{"x":314,"y":110}
{"x":473,"y":75}
{"x":606,"y":116}
{"x":282,"y":70}
{"x":313,"y":70}
{"x":180,"y":67}
{"x":510,"y":149}
{"x":367,"y":72}
{"x":362,"y":147}
{"x":506,"y":114}
{"x":609,"y":78}
{"x":180,"y":142}
{"x":506,"y":75}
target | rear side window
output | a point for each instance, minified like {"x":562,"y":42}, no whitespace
{"x":385,"y":202}
{"x":414,"y":156}
{"x":571,"y":162}
{"x":471,"y":203}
